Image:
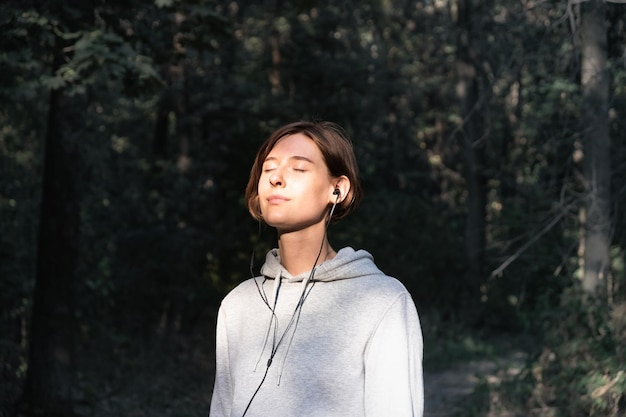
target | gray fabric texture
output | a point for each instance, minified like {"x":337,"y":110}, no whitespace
{"x":353,"y":349}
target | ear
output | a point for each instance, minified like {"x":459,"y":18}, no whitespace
{"x":342,"y":184}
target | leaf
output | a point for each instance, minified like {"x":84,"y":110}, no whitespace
{"x":164,"y":3}
{"x":53,"y":82}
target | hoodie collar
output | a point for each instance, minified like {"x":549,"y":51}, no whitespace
{"x":347,"y":264}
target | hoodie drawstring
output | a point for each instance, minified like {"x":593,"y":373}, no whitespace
{"x":273,"y":319}
{"x":273,"y":324}
{"x":305,"y":294}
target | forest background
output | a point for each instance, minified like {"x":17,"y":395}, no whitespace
{"x":491,"y":136}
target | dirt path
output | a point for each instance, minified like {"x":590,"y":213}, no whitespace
{"x":444,"y":389}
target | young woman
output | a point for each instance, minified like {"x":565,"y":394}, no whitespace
{"x":321,"y":332}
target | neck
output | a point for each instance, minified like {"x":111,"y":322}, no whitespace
{"x":299,"y":250}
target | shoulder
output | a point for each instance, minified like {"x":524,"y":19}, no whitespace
{"x":244,"y":290}
{"x":359,"y":268}
{"x":381,"y":287}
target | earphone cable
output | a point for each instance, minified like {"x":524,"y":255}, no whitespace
{"x":295,"y":317}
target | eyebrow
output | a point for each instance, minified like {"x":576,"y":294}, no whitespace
{"x":295,"y":157}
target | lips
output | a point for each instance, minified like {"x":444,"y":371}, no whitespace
{"x":276,"y":199}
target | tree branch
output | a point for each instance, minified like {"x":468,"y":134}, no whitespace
{"x":536,"y":237}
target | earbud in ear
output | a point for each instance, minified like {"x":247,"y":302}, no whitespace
{"x":336,"y":192}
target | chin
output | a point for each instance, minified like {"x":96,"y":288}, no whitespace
{"x":278,"y":223}
{"x":285,"y":227}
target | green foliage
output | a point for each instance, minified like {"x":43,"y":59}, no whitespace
{"x":478,"y":403}
{"x":580,"y":369}
{"x":449,"y":342}
{"x":177,"y":96}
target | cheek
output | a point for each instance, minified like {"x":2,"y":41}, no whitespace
{"x":262,"y":184}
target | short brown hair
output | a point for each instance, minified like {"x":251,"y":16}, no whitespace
{"x":338,"y":153}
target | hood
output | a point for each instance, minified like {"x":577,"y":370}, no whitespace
{"x":347,"y":264}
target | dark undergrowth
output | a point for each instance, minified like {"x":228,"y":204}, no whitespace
{"x":577,"y":369}
{"x":121,"y":375}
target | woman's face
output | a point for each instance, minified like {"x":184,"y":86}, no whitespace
{"x":295,"y":187}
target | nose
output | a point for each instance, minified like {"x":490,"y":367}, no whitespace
{"x":276,"y":179}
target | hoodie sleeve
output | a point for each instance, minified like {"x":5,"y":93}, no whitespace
{"x":393,"y":364}
{"x":221,"y":401}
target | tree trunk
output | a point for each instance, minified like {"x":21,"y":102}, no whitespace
{"x":49,"y":380}
{"x":597,"y":148}
{"x":473,"y":152}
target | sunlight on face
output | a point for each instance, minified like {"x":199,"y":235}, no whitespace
{"x":295,"y":187}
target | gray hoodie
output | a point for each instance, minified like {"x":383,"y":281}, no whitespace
{"x":344,"y":341}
